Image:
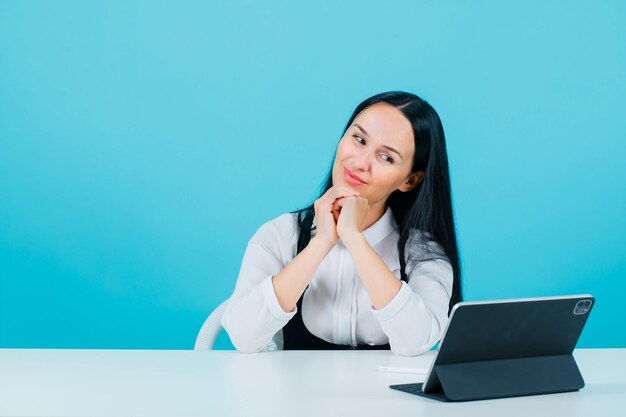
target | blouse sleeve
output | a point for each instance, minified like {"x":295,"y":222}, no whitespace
{"x":253,"y":314}
{"x":415,"y":318}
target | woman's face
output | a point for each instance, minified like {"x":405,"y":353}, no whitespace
{"x":375,"y":154}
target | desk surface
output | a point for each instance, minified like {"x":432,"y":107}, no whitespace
{"x":290,"y":383}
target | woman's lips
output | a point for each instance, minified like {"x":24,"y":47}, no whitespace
{"x":351,"y":178}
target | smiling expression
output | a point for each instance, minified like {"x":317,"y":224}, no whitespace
{"x":375,"y":155}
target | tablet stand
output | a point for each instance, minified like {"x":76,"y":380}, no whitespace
{"x":501,"y":378}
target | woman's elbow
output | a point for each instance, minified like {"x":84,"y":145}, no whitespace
{"x":244,"y":346}
{"x":410,"y":349}
{"x":419,"y":343}
{"x":240,"y":339}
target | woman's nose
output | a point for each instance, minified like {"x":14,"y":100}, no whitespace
{"x":362,"y":160}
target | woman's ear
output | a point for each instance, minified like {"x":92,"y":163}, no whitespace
{"x":413,"y":179}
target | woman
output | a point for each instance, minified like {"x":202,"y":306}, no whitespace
{"x":373,"y":263}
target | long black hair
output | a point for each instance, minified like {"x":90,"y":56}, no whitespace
{"x":428,"y":206}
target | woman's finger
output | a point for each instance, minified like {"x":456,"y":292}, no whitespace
{"x":325,"y":202}
{"x":341,"y":202}
{"x":342,"y":192}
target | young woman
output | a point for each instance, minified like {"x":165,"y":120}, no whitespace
{"x":373,"y":263}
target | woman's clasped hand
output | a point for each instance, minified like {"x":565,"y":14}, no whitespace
{"x":338,"y":213}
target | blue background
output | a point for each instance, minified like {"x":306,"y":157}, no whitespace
{"x":143,"y":143}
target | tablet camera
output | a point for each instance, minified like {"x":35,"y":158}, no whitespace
{"x":582,"y":307}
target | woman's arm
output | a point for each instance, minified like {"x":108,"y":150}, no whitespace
{"x":268,"y":287}
{"x":253,"y":315}
{"x":264,"y":301}
{"x":290,"y":283}
{"x":415,"y":319}
{"x":412,"y":315}
{"x":380,"y":283}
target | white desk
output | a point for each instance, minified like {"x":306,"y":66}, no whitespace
{"x":226,"y":383}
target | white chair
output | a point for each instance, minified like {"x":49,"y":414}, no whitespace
{"x":213,"y":326}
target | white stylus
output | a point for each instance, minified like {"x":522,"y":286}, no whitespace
{"x":420,"y":371}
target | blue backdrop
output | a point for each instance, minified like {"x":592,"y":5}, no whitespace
{"x":143,"y":143}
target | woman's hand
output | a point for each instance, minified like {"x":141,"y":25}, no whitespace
{"x":354,"y":211}
{"x":327,"y":213}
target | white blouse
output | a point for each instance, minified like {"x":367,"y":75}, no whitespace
{"x":336,"y":306}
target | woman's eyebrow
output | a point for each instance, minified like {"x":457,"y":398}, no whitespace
{"x":389,"y":148}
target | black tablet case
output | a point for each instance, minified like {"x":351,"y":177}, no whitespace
{"x":507,"y":349}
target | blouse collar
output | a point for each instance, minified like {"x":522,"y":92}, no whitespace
{"x":381,"y":229}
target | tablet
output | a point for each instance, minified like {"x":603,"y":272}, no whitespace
{"x":505,"y":348}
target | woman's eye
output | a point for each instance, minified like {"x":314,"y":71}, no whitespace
{"x":387,"y":158}
{"x":359,"y":139}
